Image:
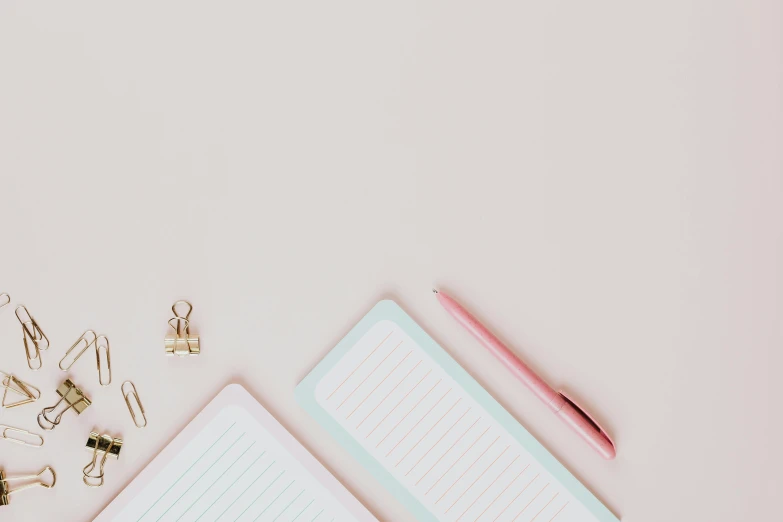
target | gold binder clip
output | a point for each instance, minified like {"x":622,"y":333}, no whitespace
{"x":180,"y":342}
{"x":6,"y":491}
{"x":4,"y":299}
{"x":100,"y":445}
{"x":141,"y":420}
{"x":32,"y":334}
{"x":73,"y":398}
{"x":19,"y":387}
{"x":30,"y":439}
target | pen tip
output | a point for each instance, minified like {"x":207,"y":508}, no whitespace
{"x":434,"y":291}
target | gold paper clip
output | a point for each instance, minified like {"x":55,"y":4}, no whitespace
{"x":135,"y":395}
{"x":32,"y":333}
{"x":25,"y":389}
{"x":86,"y":340}
{"x":24,"y":441}
{"x":4,"y":299}
{"x":73,"y":398}
{"x":6,"y":491}
{"x":180,"y":342}
{"x":100,"y":445}
{"x":89,"y":338}
{"x":105,"y":346}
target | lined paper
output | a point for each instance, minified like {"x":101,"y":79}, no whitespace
{"x":441,"y":445}
{"x":234,"y":470}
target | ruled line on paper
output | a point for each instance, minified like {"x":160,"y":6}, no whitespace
{"x":285,"y":508}
{"x":558,"y":512}
{"x":368,"y":376}
{"x":545,"y":506}
{"x":458,"y":460}
{"x":186,"y":471}
{"x":220,"y":496}
{"x":259,"y":495}
{"x":428,"y":431}
{"x":487,"y":488}
{"x":274,"y":500}
{"x":448,"y":450}
{"x":380,"y":403}
{"x":515,"y":498}
{"x":409,"y":412}
{"x":218,"y":478}
{"x":244,"y":491}
{"x":200,"y":477}
{"x":469,"y":468}
{"x":303,"y":510}
{"x":396,"y":405}
{"x":378,"y":385}
{"x":528,"y":504}
{"x":417,"y":423}
{"x":477,"y":479}
{"x":360,"y":365}
{"x":437,"y":441}
{"x":501,"y":493}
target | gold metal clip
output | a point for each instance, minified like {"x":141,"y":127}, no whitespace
{"x":6,"y":491}
{"x":25,"y":389}
{"x":86,"y":340}
{"x":38,"y":440}
{"x":4,"y":299}
{"x":73,"y":398}
{"x":180,"y":342}
{"x":100,"y":445}
{"x":133,"y":393}
{"x":32,"y":333}
{"x":102,"y":342}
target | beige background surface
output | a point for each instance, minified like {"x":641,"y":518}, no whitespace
{"x":601,"y":181}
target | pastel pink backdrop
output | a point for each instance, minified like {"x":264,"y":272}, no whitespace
{"x":601,"y":182}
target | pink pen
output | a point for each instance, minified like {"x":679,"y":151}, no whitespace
{"x":565,"y":408}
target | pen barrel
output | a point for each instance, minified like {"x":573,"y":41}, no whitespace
{"x":587,"y":430}
{"x":520,"y":370}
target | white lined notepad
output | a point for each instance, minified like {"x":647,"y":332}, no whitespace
{"x":434,"y":438}
{"x":432,"y":435}
{"x":238,"y":467}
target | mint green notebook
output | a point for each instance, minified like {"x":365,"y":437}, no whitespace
{"x":432,"y":435}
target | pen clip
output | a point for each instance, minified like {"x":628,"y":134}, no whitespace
{"x":586,"y":415}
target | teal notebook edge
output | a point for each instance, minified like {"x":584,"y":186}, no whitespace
{"x":390,"y":310}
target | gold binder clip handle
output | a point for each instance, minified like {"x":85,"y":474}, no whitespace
{"x":72,"y":397}
{"x":186,"y":316}
{"x":6,"y":491}
{"x":4,"y":299}
{"x":49,"y":424}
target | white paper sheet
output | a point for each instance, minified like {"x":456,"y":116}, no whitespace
{"x":435,"y":439}
{"x":236,"y":467}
